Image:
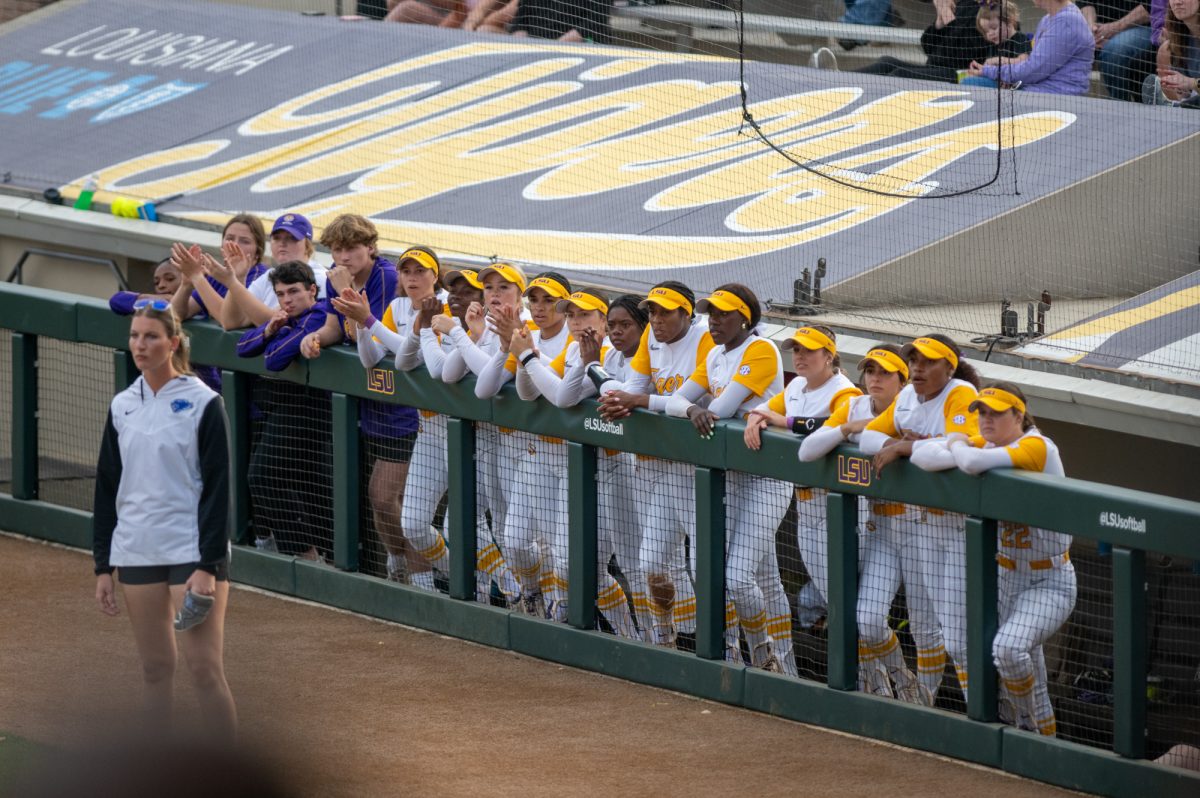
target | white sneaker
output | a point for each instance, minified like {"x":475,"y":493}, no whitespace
{"x":266,"y":544}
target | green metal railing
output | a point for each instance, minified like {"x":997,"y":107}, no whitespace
{"x":1083,"y":509}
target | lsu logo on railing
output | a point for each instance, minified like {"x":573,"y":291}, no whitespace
{"x":600,"y":425}
{"x":854,"y":471}
{"x":1124,"y":522}
{"x":381,"y":381}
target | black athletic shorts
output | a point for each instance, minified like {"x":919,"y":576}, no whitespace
{"x":394,"y":450}
{"x":171,"y":574}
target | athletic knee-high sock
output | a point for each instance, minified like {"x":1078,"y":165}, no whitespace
{"x":961,"y":672}
{"x":685,"y":603}
{"x":931,"y":666}
{"x":733,"y":630}
{"x":755,"y":630}
{"x":642,"y":610}
{"x":614,"y":605}
{"x":1020,"y":692}
{"x":436,"y":554}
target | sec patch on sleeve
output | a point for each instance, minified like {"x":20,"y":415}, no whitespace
{"x":744,"y":370}
{"x":960,"y":419}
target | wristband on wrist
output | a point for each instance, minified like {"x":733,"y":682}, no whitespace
{"x":370,"y":322}
{"x":528,"y":356}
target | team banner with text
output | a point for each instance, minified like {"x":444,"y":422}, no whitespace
{"x":623,"y":165}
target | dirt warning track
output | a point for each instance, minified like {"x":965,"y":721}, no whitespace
{"x":343,"y":705}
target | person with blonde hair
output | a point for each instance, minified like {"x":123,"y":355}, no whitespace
{"x":161,"y":520}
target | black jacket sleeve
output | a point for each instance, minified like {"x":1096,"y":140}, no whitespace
{"x":213,"y":514}
{"x":104,"y":505}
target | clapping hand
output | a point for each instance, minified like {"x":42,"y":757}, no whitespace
{"x":476,"y":319}
{"x":589,"y":347}
{"x":431,"y":307}
{"x":352,"y":305}
{"x":520,"y":343}
{"x":189,"y":261}
{"x":442,"y":324}
{"x":503,"y":322}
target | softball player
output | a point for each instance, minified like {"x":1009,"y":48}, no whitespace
{"x":563,"y":381}
{"x":472,"y":350}
{"x":740,"y":372}
{"x":935,"y":403}
{"x":1037,"y":579}
{"x":418,"y":278}
{"x":670,"y":349}
{"x":161,"y":517}
{"x":881,"y":539}
{"x":534,"y":540}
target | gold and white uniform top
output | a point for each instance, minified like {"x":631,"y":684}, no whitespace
{"x":1033,"y":451}
{"x":669,"y":365}
{"x":755,"y":364}
{"x":934,"y":417}
{"x":820,"y":402}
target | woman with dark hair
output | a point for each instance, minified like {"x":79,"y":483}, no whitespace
{"x":161,"y":519}
{"x":671,"y":345}
{"x":740,"y":373}
{"x":1037,"y":586}
{"x":935,"y":403}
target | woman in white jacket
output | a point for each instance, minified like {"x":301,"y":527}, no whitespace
{"x":161,"y":519}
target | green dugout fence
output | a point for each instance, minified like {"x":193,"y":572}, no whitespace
{"x":1131,"y":522}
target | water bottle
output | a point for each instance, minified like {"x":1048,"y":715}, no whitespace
{"x":84,"y":201}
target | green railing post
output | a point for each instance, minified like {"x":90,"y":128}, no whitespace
{"x":982,"y":620}
{"x":346,"y":481}
{"x":581,"y":554}
{"x":235,"y":389}
{"x":1129,"y":651}
{"x":462,"y":516}
{"x":24,"y":416}
{"x":124,"y":370}
{"x":842,"y":519}
{"x":710,"y":563}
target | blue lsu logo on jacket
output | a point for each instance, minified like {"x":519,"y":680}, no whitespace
{"x":179,"y":405}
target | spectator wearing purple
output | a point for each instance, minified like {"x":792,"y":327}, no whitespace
{"x":1061,"y":60}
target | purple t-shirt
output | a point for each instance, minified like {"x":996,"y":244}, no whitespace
{"x":1061,"y":60}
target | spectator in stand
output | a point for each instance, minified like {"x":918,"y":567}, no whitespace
{"x":442,"y":13}
{"x":388,"y":431}
{"x":491,"y":16}
{"x":1061,"y":59}
{"x":1178,"y":58}
{"x":1125,"y":53}
{"x":584,"y":20}
{"x":869,"y":12}
{"x":289,"y":468}
{"x":166,"y":283}
{"x":962,"y":33}
{"x":254,"y":303}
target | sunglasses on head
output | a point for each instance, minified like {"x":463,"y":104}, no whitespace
{"x":160,"y":305}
